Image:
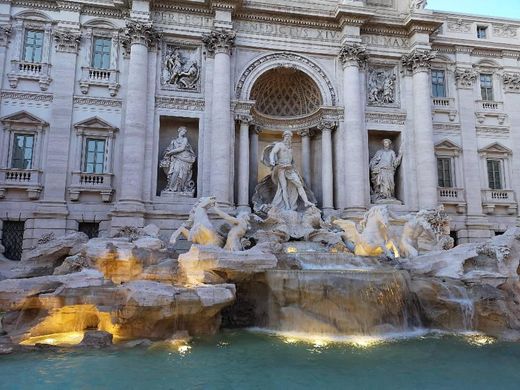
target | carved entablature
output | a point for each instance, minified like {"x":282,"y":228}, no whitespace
{"x":465,"y":77}
{"x":419,"y":60}
{"x":67,"y":41}
{"x":459,"y":26}
{"x":512,"y":82}
{"x":327,"y":125}
{"x":505,"y":31}
{"x":219,"y":41}
{"x":353,"y":54}
{"x":181,"y":67}
{"x":137,"y":32}
{"x":382,"y":86}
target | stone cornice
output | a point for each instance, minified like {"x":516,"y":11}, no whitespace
{"x":352,"y":15}
{"x":39,"y":4}
{"x":69,"y":6}
{"x":304,"y":22}
{"x":425,"y":24}
{"x":418,"y":60}
{"x":67,"y":41}
{"x":219,"y":41}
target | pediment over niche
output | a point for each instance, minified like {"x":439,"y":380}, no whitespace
{"x":23,"y":119}
{"x":495,"y":150}
{"x":95,"y":123}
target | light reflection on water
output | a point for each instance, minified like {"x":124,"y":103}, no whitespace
{"x":252,"y":360}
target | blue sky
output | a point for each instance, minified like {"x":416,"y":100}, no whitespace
{"x":503,"y":8}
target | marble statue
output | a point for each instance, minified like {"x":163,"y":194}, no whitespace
{"x":188,"y":79}
{"x":418,"y":4}
{"x":372,"y":238}
{"x":239,"y":227}
{"x":381,"y":87}
{"x":177,"y":72}
{"x":198,"y":228}
{"x":177,"y":164}
{"x":284,"y":188}
{"x":382,"y":172}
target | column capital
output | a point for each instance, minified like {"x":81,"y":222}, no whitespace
{"x":353,"y":54}
{"x":257,"y":129}
{"x":67,"y":41}
{"x":419,"y":60}
{"x":512,"y":82}
{"x":219,"y":41}
{"x":244,"y":118}
{"x":140,"y":32}
{"x":465,"y":77}
{"x":327,"y":125}
{"x":305,"y":133}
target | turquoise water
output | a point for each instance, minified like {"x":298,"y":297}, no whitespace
{"x":245,"y":360}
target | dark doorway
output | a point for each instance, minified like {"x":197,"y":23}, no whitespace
{"x":91,"y":229}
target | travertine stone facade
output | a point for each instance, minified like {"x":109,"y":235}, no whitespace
{"x":93,"y":92}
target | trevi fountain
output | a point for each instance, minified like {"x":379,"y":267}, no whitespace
{"x":283,"y":270}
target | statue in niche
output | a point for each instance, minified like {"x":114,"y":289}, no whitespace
{"x":177,"y":164}
{"x":284,"y":188}
{"x":381,"y":87}
{"x":382,"y":172}
{"x":178,"y":73}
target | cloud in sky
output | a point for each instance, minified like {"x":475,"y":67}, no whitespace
{"x":501,"y":8}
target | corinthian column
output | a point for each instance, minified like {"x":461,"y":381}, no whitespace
{"x":419,"y":62}
{"x":352,"y":56}
{"x":140,"y":36}
{"x":243,"y":162}
{"x":220,"y":43}
{"x":326,"y":165}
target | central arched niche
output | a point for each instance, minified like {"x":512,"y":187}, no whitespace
{"x":285,"y":92}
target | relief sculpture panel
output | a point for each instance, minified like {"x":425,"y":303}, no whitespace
{"x":181,"y":68}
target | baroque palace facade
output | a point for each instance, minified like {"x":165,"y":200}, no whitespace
{"x":124,"y":112}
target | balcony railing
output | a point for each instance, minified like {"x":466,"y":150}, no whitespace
{"x":25,"y":179}
{"x":494,"y":198}
{"x":489,"y":106}
{"x":453,"y":196}
{"x":444,"y":105}
{"x":100,"y":77}
{"x":30,"y":71}
{"x":443,"y":102}
{"x":91,"y":182}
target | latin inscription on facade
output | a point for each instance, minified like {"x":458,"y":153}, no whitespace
{"x":384,"y":41}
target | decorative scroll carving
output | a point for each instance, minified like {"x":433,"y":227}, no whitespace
{"x":219,"y":41}
{"x":505,"y":31}
{"x":382,"y":88}
{"x":138,"y":32}
{"x":459,"y":26}
{"x":353,"y":54}
{"x":512,"y":82}
{"x":181,"y":69}
{"x":418,"y":4}
{"x":419,"y":60}
{"x":465,"y":77}
{"x":67,"y":41}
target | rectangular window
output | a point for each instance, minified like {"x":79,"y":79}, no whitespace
{"x":486,"y":86}
{"x":23,"y":147}
{"x":494,"y":168}
{"x":101,"y":53}
{"x":33,"y":46}
{"x":482,"y":32}
{"x":91,"y":229}
{"x":444,"y":172}
{"x":438,"y":83}
{"x":12,"y":239}
{"x":95,"y":155}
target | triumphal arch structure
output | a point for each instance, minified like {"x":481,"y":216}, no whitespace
{"x":125,"y":112}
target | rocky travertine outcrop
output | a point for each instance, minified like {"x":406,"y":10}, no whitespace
{"x":205,"y":264}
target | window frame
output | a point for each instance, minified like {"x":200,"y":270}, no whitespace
{"x":484,"y":29}
{"x":444,"y":84}
{"x":26,"y":135}
{"x":496,"y":151}
{"x":487,"y":92}
{"x":86,"y":152}
{"x":24,"y":45}
{"x":109,"y":65}
{"x":492,"y":180}
{"x":450,"y":165}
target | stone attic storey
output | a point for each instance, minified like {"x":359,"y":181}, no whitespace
{"x":123,"y":113}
